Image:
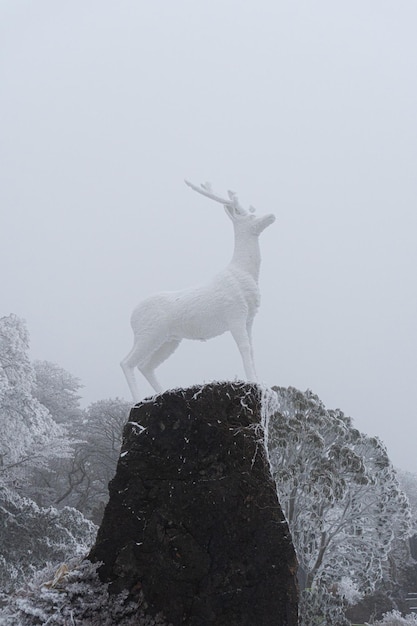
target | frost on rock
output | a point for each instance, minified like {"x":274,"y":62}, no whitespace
{"x":269,"y":408}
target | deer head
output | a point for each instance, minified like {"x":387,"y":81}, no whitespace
{"x":239,"y":216}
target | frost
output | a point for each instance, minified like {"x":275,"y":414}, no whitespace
{"x":78,"y":598}
{"x":31,"y":536}
{"x":339,"y":493}
{"x":137,"y":426}
{"x":395,"y":618}
{"x":348,"y":590}
{"x":30,"y":438}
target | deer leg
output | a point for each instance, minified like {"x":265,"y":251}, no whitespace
{"x":141,"y":356}
{"x":158,"y":357}
{"x":128,"y":366}
{"x":152,"y":379}
{"x":249,"y":331}
{"x":243,"y":341}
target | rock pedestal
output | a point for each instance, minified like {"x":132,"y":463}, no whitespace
{"x":193,"y":518}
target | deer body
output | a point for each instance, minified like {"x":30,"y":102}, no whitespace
{"x":227,"y":303}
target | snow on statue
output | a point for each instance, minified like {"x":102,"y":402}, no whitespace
{"x":228,"y":303}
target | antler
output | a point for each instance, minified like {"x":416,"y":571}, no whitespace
{"x":232,"y":201}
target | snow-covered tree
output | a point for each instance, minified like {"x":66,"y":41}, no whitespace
{"x":408,"y":482}
{"x":74,"y":594}
{"x":30,"y":438}
{"x":96,"y":459}
{"x":339,"y":492}
{"x":105,"y":421}
{"x":57,"y":390}
{"x":31,"y":537}
{"x":31,"y":441}
{"x":81,"y":481}
{"x":395,"y":618}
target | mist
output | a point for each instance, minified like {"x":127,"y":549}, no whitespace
{"x":306,"y":110}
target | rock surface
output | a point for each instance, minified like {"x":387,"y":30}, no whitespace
{"x":193,"y":519}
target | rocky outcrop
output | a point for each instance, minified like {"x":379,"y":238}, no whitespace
{"x":193,"y":521}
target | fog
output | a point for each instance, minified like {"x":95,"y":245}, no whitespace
{"x":306,"y":110}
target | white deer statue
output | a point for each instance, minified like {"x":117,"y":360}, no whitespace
{"x":228,"y":303}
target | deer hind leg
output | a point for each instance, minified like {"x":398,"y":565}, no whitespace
{"x":128,"y":366}
{"x":142,"y":356}
{"x":242,"y":336}
{"x":158,"y":357}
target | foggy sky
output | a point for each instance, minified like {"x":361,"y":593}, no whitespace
{"x":306,"y":109}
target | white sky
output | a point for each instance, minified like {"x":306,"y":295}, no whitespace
{"x":306,"y":109}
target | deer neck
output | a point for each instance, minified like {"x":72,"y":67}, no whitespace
{"x":247,"y":256}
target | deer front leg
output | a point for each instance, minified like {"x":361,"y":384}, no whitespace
{"x":243,"y":341}
{"x":249,"y":325}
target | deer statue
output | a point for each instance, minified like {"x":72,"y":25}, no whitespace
{"x":228,"y":303}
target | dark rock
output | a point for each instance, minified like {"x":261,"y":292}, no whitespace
{"x":193,"y":518}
